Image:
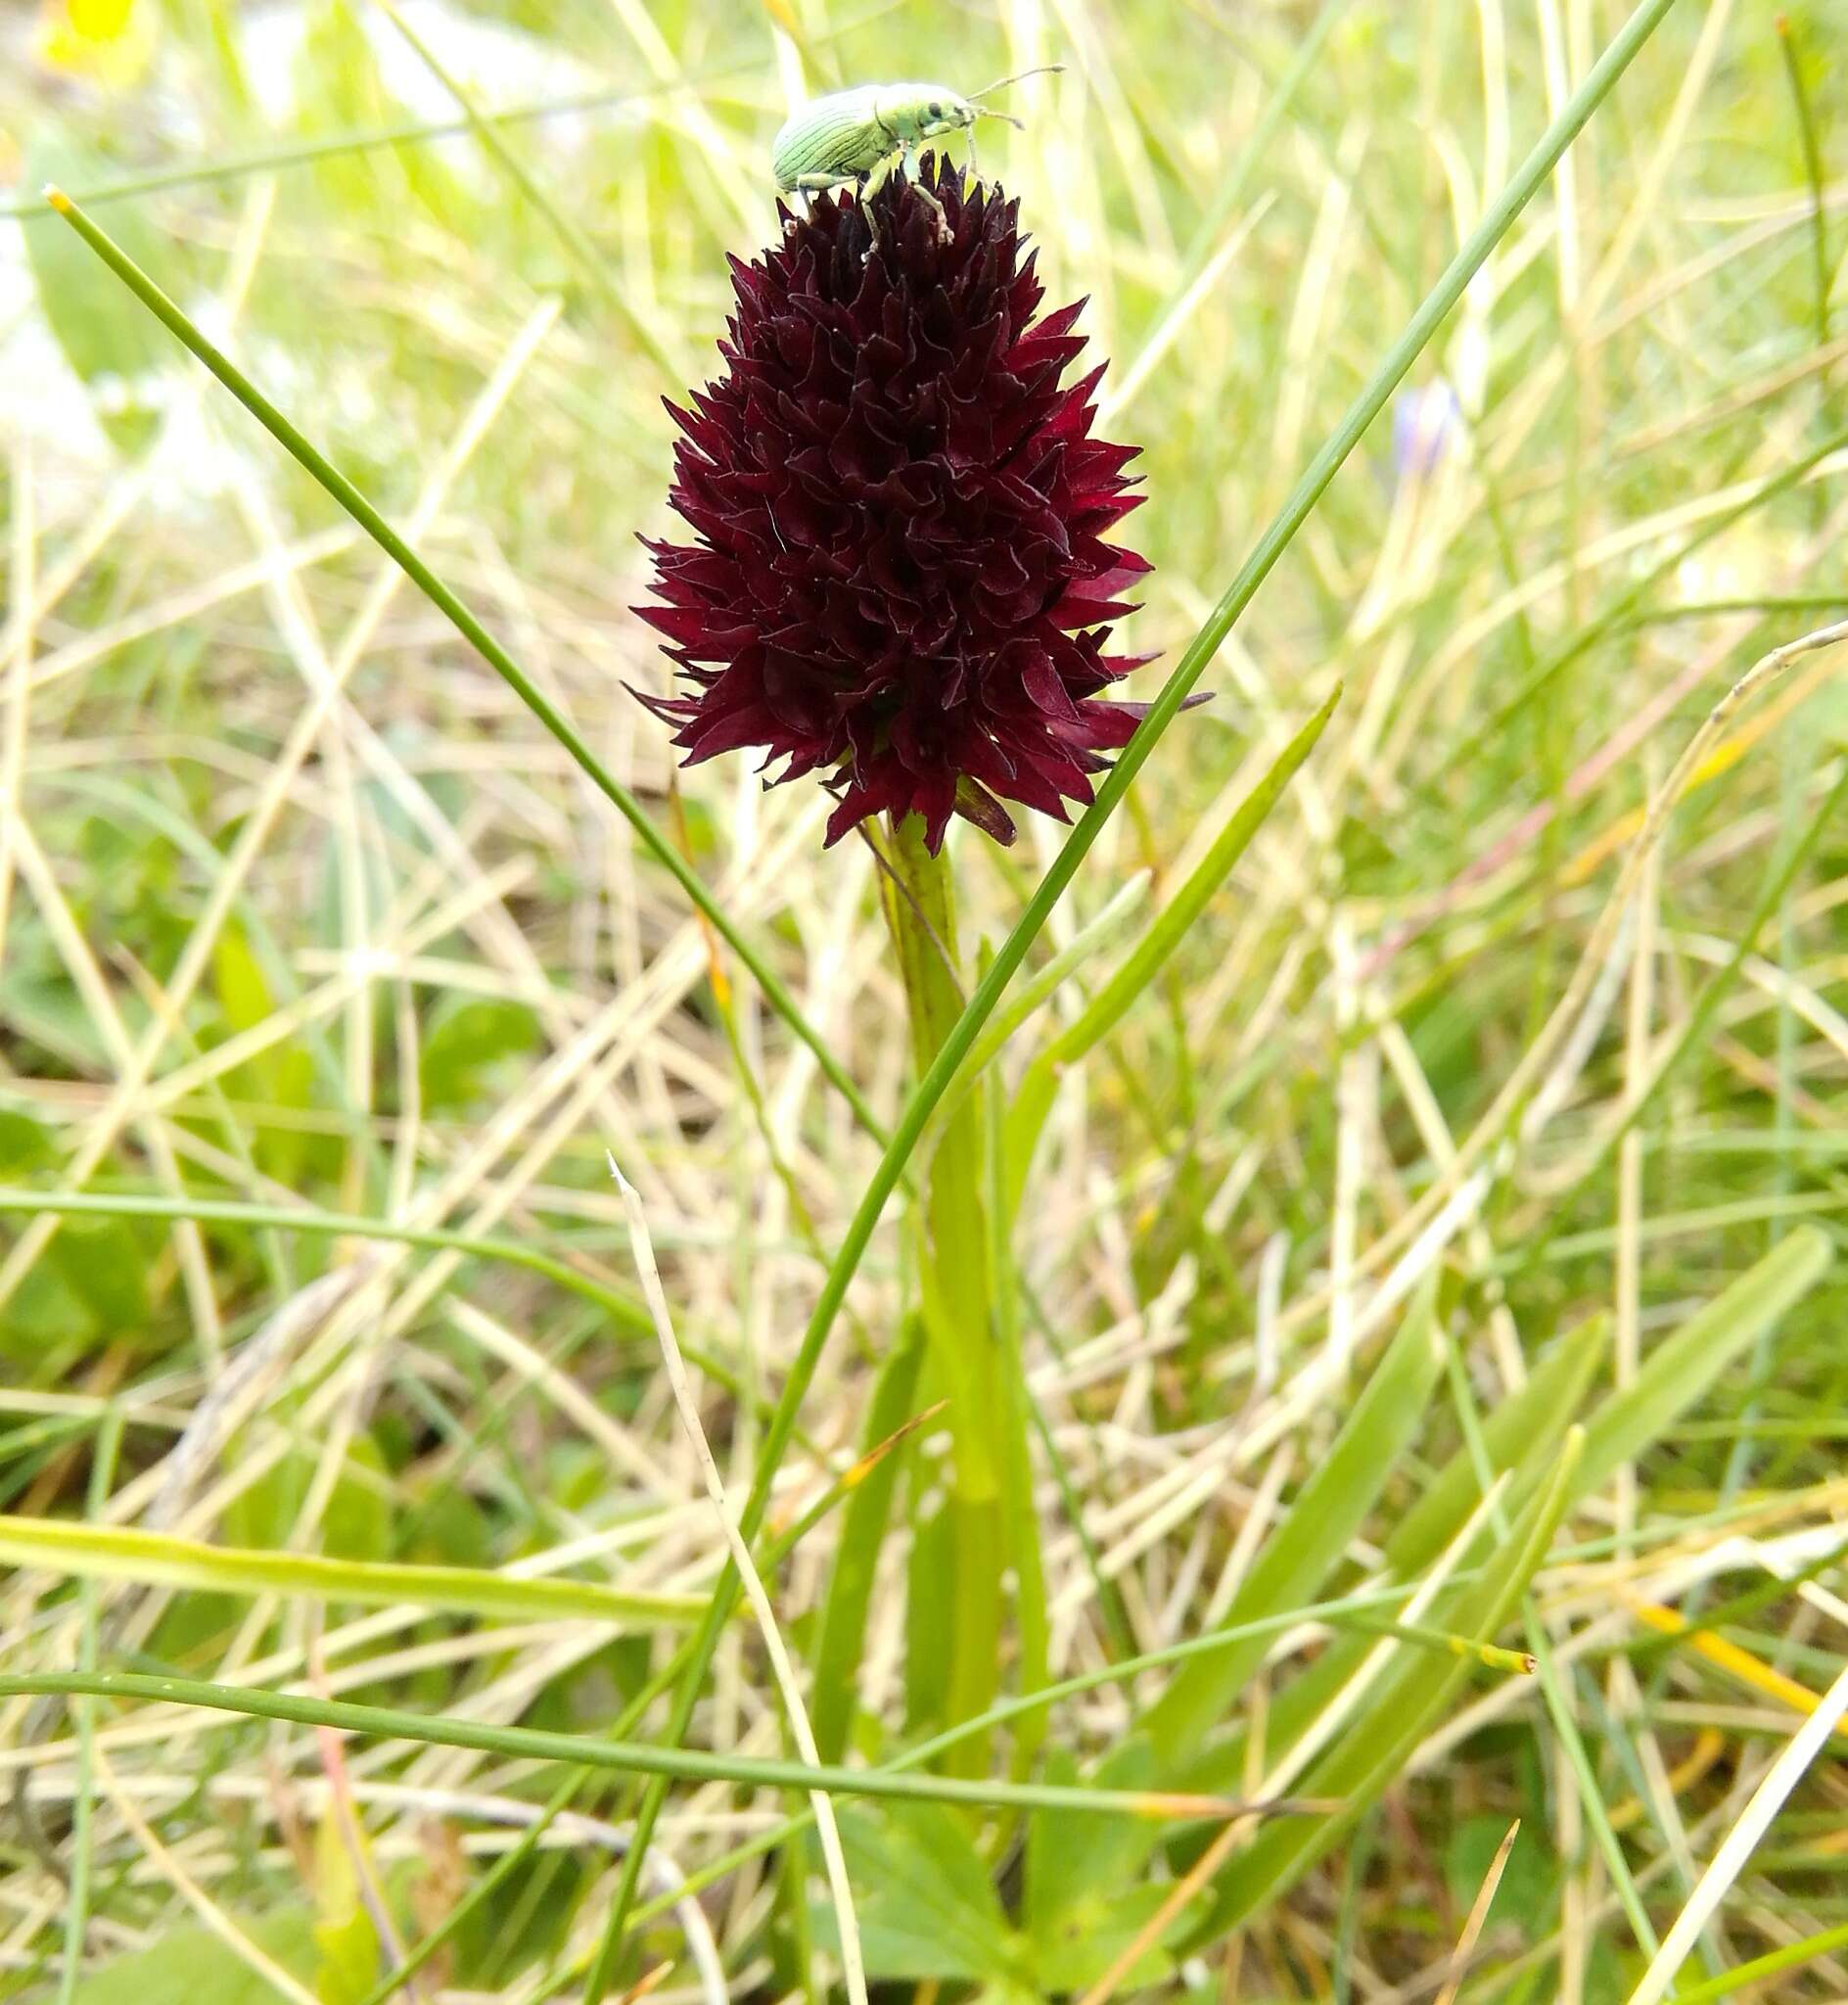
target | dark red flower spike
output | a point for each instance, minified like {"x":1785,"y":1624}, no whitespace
{"x":901,"y":578}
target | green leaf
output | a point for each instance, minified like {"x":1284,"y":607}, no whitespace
{"x":282,"y":1076}
{"x":104,"y":1265}
{"x":89,"y":1552}
{"x":926,"y":1905}
{"x":1523,"y":1433}
{"x":1082,"y":1904}
{"x":864,"y":1521}
{"x":1469,"y":1852}
{"x":467,"y":1036}
{"x":1306,"y":1547}
{"x":930,"y":1585}
{"x":24,"y":1144}
{"x":344,"y":1935}
{"x":1099,"y":1925}
{"x":1182,"y":912}
{"x":191,"y":1966}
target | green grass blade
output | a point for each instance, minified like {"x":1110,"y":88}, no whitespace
{"x":1744,"y":1976}
{"x":315,"y":463}
{"x":88,"y":1551}
{"x":1308,"y":1545}
{"x":109,"y":1441}
{"x":303,"y":153}
{"x":1089,"y":939}
{"x":570,"y":231}
{"x":1693,"y":1032}
{"x":623,"y":1310}
{"x":622,"y":1757}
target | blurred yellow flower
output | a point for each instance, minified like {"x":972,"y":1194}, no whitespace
{"x":105,"y":42}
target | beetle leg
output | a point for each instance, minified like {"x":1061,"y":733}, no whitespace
{"x":869,"y":186}
{"x":808,"y":186}
{"x":943,"y":232}
{"x":924,"y":195}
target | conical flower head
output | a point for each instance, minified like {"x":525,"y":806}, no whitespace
{"x":901,"y":578}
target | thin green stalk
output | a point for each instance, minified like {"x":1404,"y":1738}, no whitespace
{"x":1552,"y":1688}
{"x":503,"y":1868}
{"x":1139,"y":967}
{"x":1529,"y":177}
{"x":306,"y":152}
{"x":1797,"y":753}
{"x":1778,"y":882}
{"x":1348,"y":1915}
{"x":1707,"y":609}
{"x":1251,"y":156}
{"x":1021,"y":1520}
{"x":777,"y":1550}
{"x":1624,"y":609}
{"x":841,"y":1639}
{"x":329,"y":477}
{"x":627,"y":1313}
{"x":621,"y":1757}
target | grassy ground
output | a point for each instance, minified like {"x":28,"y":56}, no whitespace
{"x":1479,"y":1099}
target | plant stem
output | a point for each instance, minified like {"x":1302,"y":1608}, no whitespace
{"x":919,"y":895}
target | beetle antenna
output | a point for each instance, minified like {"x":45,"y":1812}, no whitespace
{"x":1019,"y":77}
{"x":1006,"y":118}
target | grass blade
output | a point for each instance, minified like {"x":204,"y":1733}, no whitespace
{"x":1521,"y":1433}
{"x":622,"y":1757}
{"x":836,"y":1652}
{"x":1182,"y":912}
{"x":89,"y":1552}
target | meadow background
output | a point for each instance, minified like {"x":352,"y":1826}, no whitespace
{"x":1459,"y":1066}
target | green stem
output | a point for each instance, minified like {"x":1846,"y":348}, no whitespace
{"x":303,"y":153}
{"x":621,"y":1757}
{"x":919,"y":895}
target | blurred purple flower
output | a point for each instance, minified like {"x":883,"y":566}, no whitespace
{"x":1425,"y":422}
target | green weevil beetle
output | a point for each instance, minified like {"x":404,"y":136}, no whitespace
{"x":862,"y":135}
